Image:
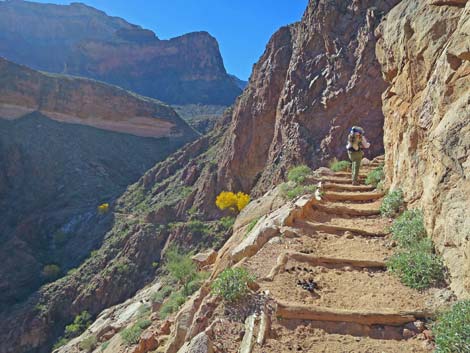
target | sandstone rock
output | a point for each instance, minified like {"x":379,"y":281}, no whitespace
{"x":147,"y":343}
{"x":206,"y":258}
{"x":425,"y":58}
{"x":165,"y":328}
{"x":199,"y":344}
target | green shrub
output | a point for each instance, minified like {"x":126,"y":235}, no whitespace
{"x":131,"y":335}
{"x":227,"y":222}
{"x":251,"y":225}
{"x":61,"y":342}
{"x":392,"y":203}
{"x":417,"y":267}
{"x":143,"y":323}
{"x":181,"y":267}
{"x":293,"y":191}
{"x":51,"y":272}
{"x":376,"y":176}
{"x":339,"y":166}
{"x":198,"y":227}
{"x":104,"y":346}
{"x":299,"y":174}
{"x":159,"y":296}
{"x":173,"y":303}
{"x":452,"y":330}
{"x":232,"y":284}
{"x":408,"y":228}
{"x":88,"y":344}
{"x":79,"y":325}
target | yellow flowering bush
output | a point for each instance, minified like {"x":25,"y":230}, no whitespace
{"x":234,"y":202}
{"x":242,"y":200}
{"x":103,"y":208}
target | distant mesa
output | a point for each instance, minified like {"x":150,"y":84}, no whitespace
{"x":80,"y":40}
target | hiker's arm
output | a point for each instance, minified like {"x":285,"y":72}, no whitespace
{"x":365,"y":144}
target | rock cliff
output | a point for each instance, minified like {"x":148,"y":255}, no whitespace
{"x":67,"y":145}
{"x":316,"y":79}
{"x":424,"y":50}
{"x":80,"y":40}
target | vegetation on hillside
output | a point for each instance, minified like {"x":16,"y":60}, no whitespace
{"x":235,"y":202}
{"x":339,"y":166}
{"x":296,"y":185}
{"x":452,"y":329}
{"x":392,"y":203}
{"x":376,"y":176}
{"x":232,"y":284}
{"x":415,"y":263}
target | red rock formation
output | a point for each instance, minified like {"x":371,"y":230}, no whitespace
{"x":425,"y":56}
{"x":315,"y":80}
{"x":80,"y":40}
{"x":86,"y":102}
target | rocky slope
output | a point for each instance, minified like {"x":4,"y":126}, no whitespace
{"x":67,"y":145}
{"x":80,"y":40}
{"x":425,"y":54}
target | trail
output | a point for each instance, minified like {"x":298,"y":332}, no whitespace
{"x":340,"y":249}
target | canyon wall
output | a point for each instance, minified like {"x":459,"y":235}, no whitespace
{"x":80,"y":40}
{"x":67,"y":145}
{"x":424,"y":49}
{"x":316,"y":79}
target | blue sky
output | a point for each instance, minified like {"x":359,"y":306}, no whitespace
{"x":242,"y":27}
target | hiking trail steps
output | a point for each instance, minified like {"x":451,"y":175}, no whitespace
{"x":341,"y":247}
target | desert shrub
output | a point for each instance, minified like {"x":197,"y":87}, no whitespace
{"x":452,"y":329}
{"x":408,"y":228}
{"x":79,"y":325}
{"x":181,"y":267}
{"x":173,"y":303}
{"x":299,"y":174}
{"x":234,"y":202}
{"x":339,"y":166}
{"x":417,"y":267}
{"x":51,"y":272}
{"x":159,"y":296}
{"x":104,"y":346}
{"x":293,"y":191}
{"x":143,"y":323}
{"x":232,"y":284}
{"x":131,"y":335}
{"x":103,"y":208}
{"x":242,"y":200}
{"x":61,"y":342}
{"x":376,"y":176}
{"x":392,"y":203}
{"x":198,"y":227}
{"x":88,"y":344}
{"x":251,"y":225}
{"x":227,"y":222}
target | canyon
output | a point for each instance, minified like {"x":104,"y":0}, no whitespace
{"x":397,"y":68}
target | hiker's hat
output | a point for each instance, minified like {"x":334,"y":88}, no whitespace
{"x":358,"y":129}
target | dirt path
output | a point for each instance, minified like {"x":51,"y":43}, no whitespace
{"x":354,"y":304}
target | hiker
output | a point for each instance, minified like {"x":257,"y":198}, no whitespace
{"x":356,"y":142}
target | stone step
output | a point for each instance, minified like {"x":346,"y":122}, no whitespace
{"x":347,"y":187}
{"x":352,"y":196}
{"x":310,"y":336}
{"x":332,"y":227}
{"x":348,"y":175}
{"x":356,"y":209}
{"x":362,"y":317}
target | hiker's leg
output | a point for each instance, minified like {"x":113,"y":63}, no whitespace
{"x":355,"y":158}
